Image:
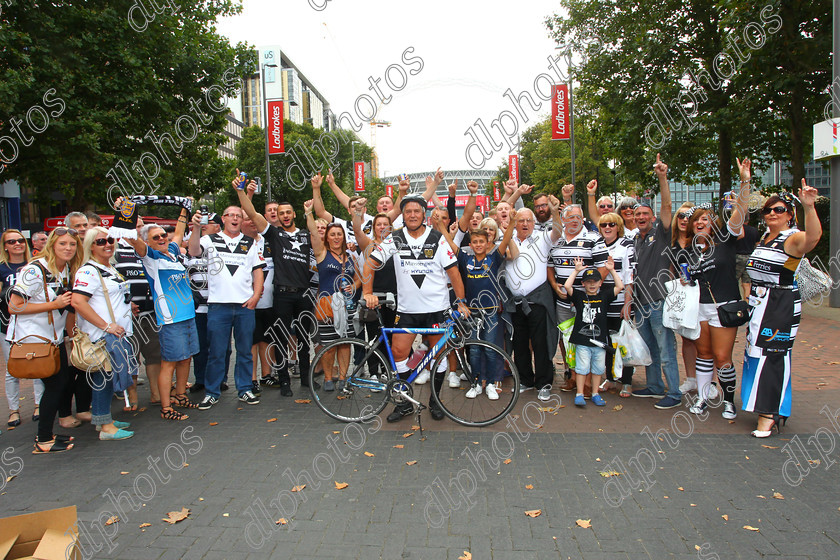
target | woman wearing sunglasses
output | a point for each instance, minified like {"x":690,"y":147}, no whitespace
{"x":95,"y":309}
{"x":775,"y":302}
{"x":36,"y":311}
{"x":14,"y":254}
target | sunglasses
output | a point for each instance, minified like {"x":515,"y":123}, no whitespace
{"x":602,"y":206}
{"x":608,"y":224}
{"x":775,"y":209}
{"x":625,"y":207}
{"x":18,"y":241}
{"x":158,"y":237}
{"x":232,"y":215}
{"x":684,"y":215}
{"x":102,"y":241}
{"x":64,"y":231}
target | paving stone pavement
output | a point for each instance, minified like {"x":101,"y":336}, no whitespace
{"x":686,"y":493}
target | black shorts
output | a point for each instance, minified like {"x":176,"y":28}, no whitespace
{"x":419,"y":320}
{"x":263,"y":320}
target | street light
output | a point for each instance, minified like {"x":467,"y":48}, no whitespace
{"x":353,"y":157}
{"x":612,"y":164}
{"x":265,"y":125}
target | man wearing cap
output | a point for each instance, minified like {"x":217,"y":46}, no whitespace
{"x":653,"y":266}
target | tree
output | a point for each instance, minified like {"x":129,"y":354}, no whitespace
{"x":110,"y":85}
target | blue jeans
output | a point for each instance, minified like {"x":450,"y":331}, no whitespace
{"x":221,"y":318}
{"x":590,"y":359}
{"x":488,"y":364}
{"x":200,"y":359}
{"x":663,"y":350}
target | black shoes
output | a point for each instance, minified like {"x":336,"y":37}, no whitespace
{"x":224,"y":386}
{"x":400,"y":411}
{"x":197,"y":387}
{"x":286,"y":389}
{"x":435,"y":411}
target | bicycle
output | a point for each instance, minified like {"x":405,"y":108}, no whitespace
{"x":371,"y":382}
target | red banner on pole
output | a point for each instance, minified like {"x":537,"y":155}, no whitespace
{"x":513,"y":168}
{"x":497,"y":196}
{"x":275,"y":128}
{"x":359,"y":175}
{"x":560,"y":102}
{"x":389,"y":190}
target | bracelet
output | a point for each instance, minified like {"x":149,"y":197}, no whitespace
{"x":461,"y":300}
{"x":307,"y":213}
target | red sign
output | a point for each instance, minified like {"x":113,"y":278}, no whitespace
{"x":389,"y":190}
{"x":560,"y":103}
{"x":497,"y":196}
{"x":513,"y":168}
{"x":359,"y":176}
{"x":461,"y":201}
{"x":275,"y":128}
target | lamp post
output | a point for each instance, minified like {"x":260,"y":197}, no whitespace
{"x":353,"y":157}
{"x":265,"y":126}
{"x":612,"y":164}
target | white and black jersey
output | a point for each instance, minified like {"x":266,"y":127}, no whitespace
{"x":291,"y":252}
{"x":769,"y":265}
{"x":30,"y":286}
{"x":585,"y":245}
{"x":624,"y":256}
{"x":197,"y":271}
{"x":267,"y":297}
{"x":420,"y":266}
{"x":130,"y":266}
{"x":230,"y":264}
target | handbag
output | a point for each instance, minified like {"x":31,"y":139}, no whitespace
{"x":35,"y":360}
{"x":87,"y":355}
{"x":733,"y":314}
{"x":812,"y":282}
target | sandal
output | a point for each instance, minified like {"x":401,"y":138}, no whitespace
{"x":52,"y":446}
{"x":183,"y":401}
{"x":71,"y":423}
{"x":36,"y":414}
{"x":172,"y":414}
{"x":132,"y":407}
{"x":16,"y":415}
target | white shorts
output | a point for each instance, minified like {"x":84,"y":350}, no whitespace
{"x":708,"y":313}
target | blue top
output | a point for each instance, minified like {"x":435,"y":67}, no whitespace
{"x":481,"y":279}
{"x":170,"y":287}
{"x":331,"y":273}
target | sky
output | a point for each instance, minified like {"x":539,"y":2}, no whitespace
{"x":471,"y":52}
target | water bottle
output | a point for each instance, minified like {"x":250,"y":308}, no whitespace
{"x":349,"y":304}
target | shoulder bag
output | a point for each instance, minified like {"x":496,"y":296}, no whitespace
{"x":87,"y":355}
{"x":35,"y":360}
{"x":732,"y":314}
{"x":812,"y":282}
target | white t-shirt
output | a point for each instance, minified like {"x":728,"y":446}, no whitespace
{"x":420,"y":265}
{"x":367,"y":226}
{"x":267,"y":298}
{"x":30,"y":286}
{"x":87,"y":283}
{"x":230,"y":263}
{"x":528,"y":271}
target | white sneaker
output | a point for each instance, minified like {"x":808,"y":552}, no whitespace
{"x":491,"y":391}
{"x":454,"y":380}
{"x":713,"y":391}
{"x":690,"y":384}
{"x":423,"y":378}
{"x":544,"y":393}
{"x":474,"y":392}
{"x":463,"y":377}
{"x":729,"y":411}
{"x":699,"y":408}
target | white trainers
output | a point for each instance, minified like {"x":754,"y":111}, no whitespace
{"x":544,"y":393}
{"x":713,"y":391}
{"x":690,"y":384}
{"x":463,"y":377}
{"x":423,"y":378}
{"x":491,"y":391}
{"x":729,"y":411}
{"x":474,"y":392}
{"x":454,"y":380}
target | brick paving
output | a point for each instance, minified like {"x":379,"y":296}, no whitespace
{"x":668,"y":499}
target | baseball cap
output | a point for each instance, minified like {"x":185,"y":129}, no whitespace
{"x":590,"y":274}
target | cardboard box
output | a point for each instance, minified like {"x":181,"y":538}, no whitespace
{"x":45,"y":535}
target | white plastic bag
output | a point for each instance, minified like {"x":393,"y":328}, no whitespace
{"x":681,"y":312}
{"x":618,"y":362}
{"x":635,"y":351}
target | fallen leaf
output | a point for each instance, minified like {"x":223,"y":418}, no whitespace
{"x":281,"y":521}
{"x":778,"y":496}
{"x":747,"y":457}
{"x":693,"y":505}
{"x":123,"y":472}
{"x":10,"y":478}
{"x":529,"y":487}
{"x":298,"y":488}
{"x":111,"y":520}
{"x":762,"y":497}
{"x":201,"y":499}
{"x":533,"y":513}
{"x":681,"y":489}
{"x":336,"y":432}
{"x":409,"y":463}
{"x":225,"y":515}
{"x":175,"y":516}
{"x":507,"y":461}
{"x":696,"y":547}
{"x":341,"y":485}
{"x":750,"y":528}
{"x":618,"y":407}
{"x":475,"y":443}
{"x":145,"y":525}
{"x":585,"y":523}
{"x":214,"y":423}
{"x":770,"y":446}
{"x":186,"y":464}
{"x":725,"y":517}
{"x":607,"y":474}
{"x":467,"y":556}
{"x":415,"y":427}
{"x":369,"y":454}
{"x":141,"y":409}
{"x":814,"y":461}
{"x":666,"y":497}
{"x":303,"y":401}
{"x":399,"y":446}
{"x":546,"y":409}
{"x":272,"y":420}
{"x":408,"y":434}
{"x":832,"y":363}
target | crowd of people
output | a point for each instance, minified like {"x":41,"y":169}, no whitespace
{"x":555,"y":278}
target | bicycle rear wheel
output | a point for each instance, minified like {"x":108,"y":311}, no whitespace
{"x":353,"y":361}
{"x":482,"y":363}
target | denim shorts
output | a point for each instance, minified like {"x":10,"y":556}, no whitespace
{"x":590,"y":359}
{"x":178,"y":341}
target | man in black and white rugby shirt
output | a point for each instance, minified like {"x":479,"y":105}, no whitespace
{"x":423,"y":263}
{"x":234,"y":282}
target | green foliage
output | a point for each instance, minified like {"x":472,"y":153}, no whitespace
{"x":118,"y":85}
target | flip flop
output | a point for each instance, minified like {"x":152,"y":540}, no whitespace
{"x":132,"y":408}
{"x":55,"y":446}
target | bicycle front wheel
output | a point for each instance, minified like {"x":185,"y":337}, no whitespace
{"x":357,"y":373}
{"x":482,"y":364}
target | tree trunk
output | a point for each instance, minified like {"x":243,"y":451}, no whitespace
{"x":796,"y":120}
{"x":724,"y":160}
